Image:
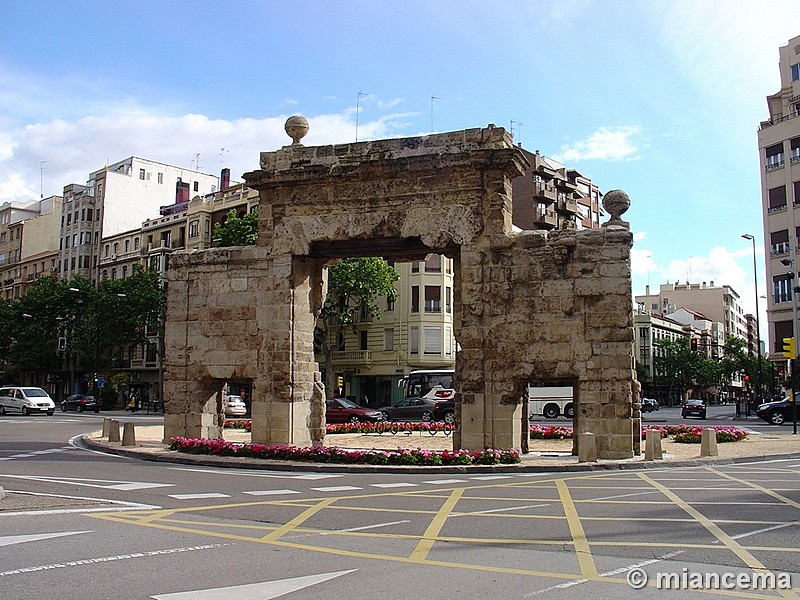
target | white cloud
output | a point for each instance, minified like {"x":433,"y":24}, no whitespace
{"x":72,"y":149}
{"x":607,"y":143}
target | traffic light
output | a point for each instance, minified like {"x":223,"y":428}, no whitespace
{"x":789,"y":347}
{"x":693,"y":344}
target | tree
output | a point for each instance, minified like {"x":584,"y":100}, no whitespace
{"x":236,"y":231}
{"x":677,"y":365}
{"x":354,"y":284}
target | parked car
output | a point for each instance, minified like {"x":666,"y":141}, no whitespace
{"x":411,"y":409}
{"x":342,"y":410}
{"x":648,"y":404}
{"x":235,"y":406}
{"x":777,"y":413}
{"x":80,"y":402}
{"x":444,"y":410}
{"x":26,"y":400}
{"x":694,"y":408}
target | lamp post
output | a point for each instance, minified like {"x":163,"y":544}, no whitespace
{"x":752,"y":238}
{"x":793,"y":361}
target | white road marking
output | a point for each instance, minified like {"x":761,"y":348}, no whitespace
{"x":8,"y":540}
{"x":198,"y":496}
{"x":270,"y":492}
{"x":116,"y":505}
{"x":393,"y":485}
{"x":336,"y":488}
{"x":94,"y":483}
{"x":254,"y":591}
{"x":91,"y":561}
{"x":272,"y":475}
{"x":445,"y":481}
{"x":490,"y":477}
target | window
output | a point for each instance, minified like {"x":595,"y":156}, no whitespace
{"x":448,"y":341}
{"x":69,"y":218}
{"x":414,"y":298}
{"x":113,"y":273}
{"x":340,"y":341}
{"x":124,"y":271}
{"x":107,"y":248}
{"x":194,"y":229}
{"x":415,"y":267}
{"x":777,"y":198}
{"x":160,"y":178}
{"x":774,"y":156}
{"x":116,"y":250}
{"x":196,"y":186}
{"x":782,"y":288}
{"x":414,"y":340}
{"x":127,"y":245}
{"x":136,"y":243}
{"x":779,"y":241}
{"x":795,"y":149}
{"x":433,"y":298}
{"x":389,"y":305}
{"x":388,"y":340}
{"x":433,"y":340}
{"x":363,"y":339}
{"x":433,"y":263}
{"x":141,"y":176}
{"x":795,"y":68}
{"x":448,"y":302}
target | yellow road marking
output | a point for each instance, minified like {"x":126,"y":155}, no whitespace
{"x":425,"y":544}
{"x":298,"y":520}
{"x":755,"y":486}
{"x":582,"y":549}
{"x":744,"y":555}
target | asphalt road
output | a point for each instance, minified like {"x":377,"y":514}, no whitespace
{"x":111,"y":527}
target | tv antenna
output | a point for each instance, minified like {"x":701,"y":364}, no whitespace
{"x":432,"y":99}
{"x":41,"y":178}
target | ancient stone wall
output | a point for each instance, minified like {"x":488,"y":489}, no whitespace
{"x":526,"y":305}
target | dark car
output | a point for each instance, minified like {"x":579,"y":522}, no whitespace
{"x":411,"y":409}
{"x":777,"y":413}
{"x":648,"y":404}
{"x":444,"y":410}
{"x":80,"y":402}
{"x":342,"y":410}
{"x":693,"y":408}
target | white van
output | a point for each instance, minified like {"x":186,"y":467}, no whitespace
{"x":25,"y":400}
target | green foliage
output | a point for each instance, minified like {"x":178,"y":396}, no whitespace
{"x":354,"y":285}
{"x":236,"y":231}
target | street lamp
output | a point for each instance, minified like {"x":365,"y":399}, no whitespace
{"x":795,"y":289}
{"x":747,"y":236}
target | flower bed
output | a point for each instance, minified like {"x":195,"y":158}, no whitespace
{"x":685,"y":434}
{"x":419,"y":457}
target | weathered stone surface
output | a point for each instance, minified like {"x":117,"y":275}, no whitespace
{"x":529,"y":305}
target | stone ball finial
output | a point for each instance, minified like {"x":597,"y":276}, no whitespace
{"x":296,"y":127}
{"x":616,"y":202}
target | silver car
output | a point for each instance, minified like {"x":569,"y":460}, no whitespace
{"x":25,"y":400}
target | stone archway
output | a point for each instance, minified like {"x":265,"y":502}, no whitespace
{"x":527,"y":303}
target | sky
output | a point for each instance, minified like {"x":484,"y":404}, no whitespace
{"x":659,"y":98}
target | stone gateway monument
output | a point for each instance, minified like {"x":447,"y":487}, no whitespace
{"x":529,"y":305}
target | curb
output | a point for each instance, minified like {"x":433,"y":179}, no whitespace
{"x":174,"y":457}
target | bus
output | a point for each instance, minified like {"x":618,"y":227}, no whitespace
{"x":549,"y":402}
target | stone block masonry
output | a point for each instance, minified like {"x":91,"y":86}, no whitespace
{"x":527,"y":305}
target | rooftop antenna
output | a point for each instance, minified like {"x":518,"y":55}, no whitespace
{"x":519,"y":127}
{"x":222,"y":152}
{"x":432,"y":99}
{"x":358,"y":109}
{"x":196,"y":162}
{"x":41,"y":178}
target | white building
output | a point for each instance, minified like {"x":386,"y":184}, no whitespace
{"x":117,"y":198}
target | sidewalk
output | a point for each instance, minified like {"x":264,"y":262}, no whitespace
{"x":544,"y":455}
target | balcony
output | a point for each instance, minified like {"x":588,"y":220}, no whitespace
{"x":546,"y":192}
{"x":567,"y":204}
{"x":780,"y":248}
{"x":351,"y":357}
{"x":547,"y":217}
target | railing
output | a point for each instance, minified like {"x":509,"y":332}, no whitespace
{"x":775,"y":120}
{"x":351,"y":356}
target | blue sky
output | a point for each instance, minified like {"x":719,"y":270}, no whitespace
{"x":659,"y":98}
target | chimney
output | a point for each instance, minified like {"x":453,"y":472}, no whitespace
{"x":225,"y":178}
{"x":181,"y":192}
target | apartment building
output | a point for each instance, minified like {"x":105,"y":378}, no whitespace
{"x":718,"y":303}
{"x":28,"y":243}
{"x":779,"y":151}
{"x":117,"y":198}
{"x":650,"y":330}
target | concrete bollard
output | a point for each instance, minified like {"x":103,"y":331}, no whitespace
{"x":708,"y":443}
{"x":128,"y":435}
{"x":587,"y":448}
{"x":106,"y":426}
{"x":113,"y":431}
{"x":2,"y":493}
{"x":652,"y":447}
